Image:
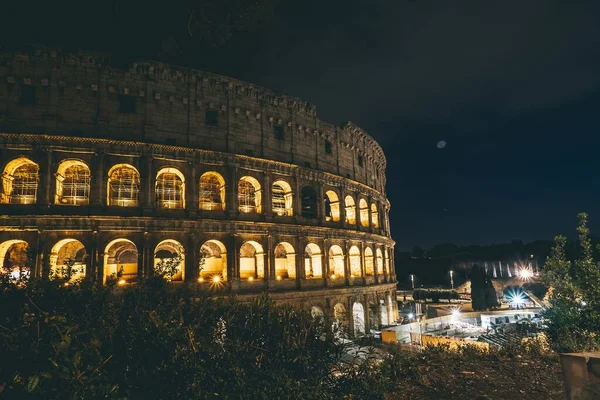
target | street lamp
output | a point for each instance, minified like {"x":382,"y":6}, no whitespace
{"x":451,"y":279}
{"x":412,"y":280}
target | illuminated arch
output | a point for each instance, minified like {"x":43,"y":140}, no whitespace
{"x":317,"y":312}
{"x":168,"y":251}
{"x":374,"y":216}
{"x":313,"y":264}
{"x":285,"y":261}
{"x":369,"y":265}
{"x":170,"y":189}
{"x":215,"y":260}
{"x":332,"y":206}
{"x":379,"y":262}
{"x":364,"y":213}
{"x":212,"y":192}
{"x":282,"y":202}
{"x":336,"y":261}
{"x":123,"y":187}
{"x":350,"y":210}
{"x":309,"y":202}
{"x":355,"y":264}
{"x":20,"y":181}
{"x":14,"y":259}
{"x":387,"y":262}
{"x":249,"y":195}
{"x":340,"y":317}
{"x":358,"y":315}
{"x":121,"y":258}
{"x":252,"y":260}
{"x":73,"y":181}
{"x":65,"y":252}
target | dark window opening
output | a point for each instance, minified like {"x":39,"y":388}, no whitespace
{"x":211,"y":117}
{"x":327,"y":207}
{"x":307,"y":164}
{"x":360,"y":161}
{"x":327,"y":147}
{"x":278,"y":132}
{"x":347,"y":175}
{"x":309,"y":202}
{"x":127,"y":104}
{"x":249,"y":152}
{"x":27,"y":95}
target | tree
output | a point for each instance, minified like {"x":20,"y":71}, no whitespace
{"x":574,"y":295}
{"x":478,"y":288}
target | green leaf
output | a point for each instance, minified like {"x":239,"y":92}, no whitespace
{"x":33,"y":383}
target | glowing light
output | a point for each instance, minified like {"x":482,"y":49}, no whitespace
{"x":122,"y":282}
{"x":455,"y":312}
{"x":66,"y":284}
{"x":250,"y":278}
{"x":216,"y":279}
{"x":525,"y":273}
{"x":411,"y":316}
{"x":278,"y":278}
{"x":333,"y":276}
{"x":516,"y":298}
{"x":201,"y":279}
{"x":583,"y":303}
{"x":351,"y":275}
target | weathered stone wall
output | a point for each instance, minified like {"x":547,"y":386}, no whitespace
{"x":82,"y":95}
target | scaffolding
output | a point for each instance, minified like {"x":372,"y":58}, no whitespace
{"x":247,"y":196}
{"x":169,"y":190}
{"x":74,"y":185}
{"x":211,"y":193}
{"x":124,"y":187}
{"x":350,"y":210}
{"x":21,"y":186}
{"x":279,"y":200}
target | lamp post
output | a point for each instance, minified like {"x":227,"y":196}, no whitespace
{"x":451,"y":279}
{"x":412,"y":280}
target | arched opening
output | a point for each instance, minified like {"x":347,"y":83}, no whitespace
{"x":374,"y":216}
{"x":215,"y":260}
{"x":170,"y":189}
{"x":169,"y":260}
{"x":249,"y":195}
{"x":358,"y":315}
{"x":350,"y":210}
{"x":252,"y":261}
{"x":121,"y":260}
{"x":73,"y":180}
{"x":281,"y":193}
{"x":387,"y":262}
{"x":309,"y":202}
{"x":313,"y":265}
{"x":15,"y":260}
{"x":355,"y":264}
{"x":364,"y":213}
{"x":212,"y":192}
{"x":285,"y":261}
{"x":369,"y":266}
{"x":332,"y":206}
{"x":340,"y":317}
{"x":336,"y":261}
{"x":123,"y":186}
{"x":378,"y":262}
{"x":20,"y":182}
{"x":67,"y":260}
{"x":317,"y":314}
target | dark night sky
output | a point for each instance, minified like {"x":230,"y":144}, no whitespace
{"x":512,"y":87}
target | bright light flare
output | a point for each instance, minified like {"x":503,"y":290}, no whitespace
{"x":278,"y":277}
{"x":201,"y":279}
{"x":455,"y":311}
{"x":122,"y":282}
{"x":411,"y":315}
{"x":333,"y":276}
{"x":516,"y":298}
{"x":216,"y":279}
{"x":525,"y":273}
{"x":250,"y":278}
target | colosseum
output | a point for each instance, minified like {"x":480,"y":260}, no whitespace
{"x":113,"y":169}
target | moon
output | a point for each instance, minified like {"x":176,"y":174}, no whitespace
{"x":441,"y":144}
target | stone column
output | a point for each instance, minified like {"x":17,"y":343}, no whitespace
{"x":91,"y":261}
{"x":320,"y":203}
{"x":147,"y":181}
{"x":297,"y":201}
{"x":370,"y":214}
{"x":267,"y":196}
{"x":362,"y":260}
{"x":47,"y":175}
{"x":347,"y":261}
{"x":232,"y":191}
{"x":97,"y":191}
{"x":270,"y":261}
{"x":325,"y":259}
{"x":299,"y":244}
{"x":144,"y":256}
{"x":191,"y":191}
{"x":233,"y":270}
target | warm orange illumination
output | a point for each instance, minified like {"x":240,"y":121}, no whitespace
{"x":278,"y":278}
{"x":250,"y":279}
{"x":66,"y":283}
{"x":201,"y":279}
{"x":332,"y":276}
{"x":122,"y":282}
{"x":216,"y":279}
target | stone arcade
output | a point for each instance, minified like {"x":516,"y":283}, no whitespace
{"x":113,"y":169}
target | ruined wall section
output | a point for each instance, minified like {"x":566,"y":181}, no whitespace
{"x":83,"y":95}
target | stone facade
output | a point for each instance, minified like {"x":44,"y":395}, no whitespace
{"x":110,"y":167}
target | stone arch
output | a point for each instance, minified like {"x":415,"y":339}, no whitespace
{"x":336,"y":262}
{"x":358,"y":317}
{"x":212,"y":193}
{"x":282,"y":198}
{"x":355,"y":264}
{"x":169,"y":251}
{"x":14,"y":259}
{"x":252,"y":260}
{"x":390,"y":307}
{"x":313,"y":261}
{"x":332,"y":206}
{"x":308,"y":198}
{"x":170,"y":188}
{"x":65,"y":252}
{"x":385,"y":315}
{"x":340,"y":317}
{"x":363,"y":208}
{"x":317,"y":312}
{"x":369,"y":265}
{"x":378,"y":262}
{"x":374,"y":216}
{"x":249,"y":195}
{"x":285,"y":261}
{"x":73,"y":182}
{"x":121,"y":258}
{"x":215,"y":260}
{"x":123,"y":187}
{"x":20,"y":181}
{"x":350,"y":209}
